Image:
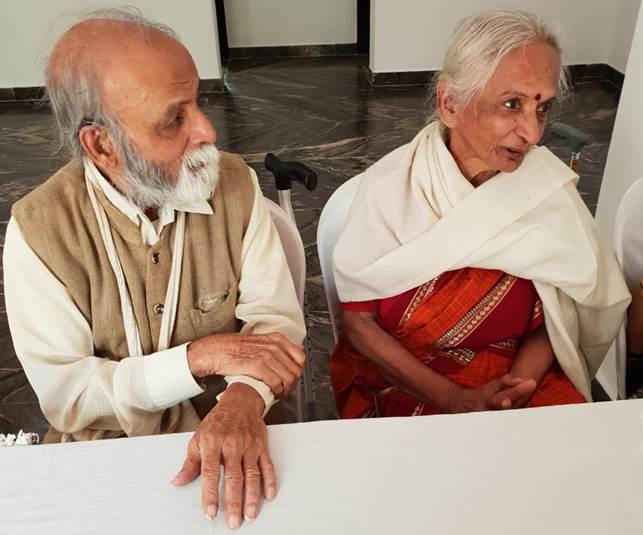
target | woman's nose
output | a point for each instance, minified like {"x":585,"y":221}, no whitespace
{"x":531,"y":128}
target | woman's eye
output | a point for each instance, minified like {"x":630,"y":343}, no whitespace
{"x":512,"y":104}
{"x":544,"y":108}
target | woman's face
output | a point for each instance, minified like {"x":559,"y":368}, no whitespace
{"x":495,"y":130}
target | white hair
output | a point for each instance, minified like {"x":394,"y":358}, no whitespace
{"x":480,"y":43}
{"x":148,"y":185}
{"x":73,"y":91}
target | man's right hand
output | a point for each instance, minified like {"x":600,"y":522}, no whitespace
{"x":270,"y":358}
{"x":506,"y":392}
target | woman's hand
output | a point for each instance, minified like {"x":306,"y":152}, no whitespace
{"x":398,"y":366}
{"x":533,"y":360}
{"x":506,"y":392}
{"x":394,"y":362}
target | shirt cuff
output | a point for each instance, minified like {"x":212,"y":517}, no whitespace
{"x":168,"y":377}
{"x":262,"y":389}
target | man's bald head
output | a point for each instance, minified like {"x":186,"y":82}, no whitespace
{"x":93,"y":56}
{"x":124,"y":92}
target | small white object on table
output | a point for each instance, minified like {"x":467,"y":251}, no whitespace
{"x":563,"y":470}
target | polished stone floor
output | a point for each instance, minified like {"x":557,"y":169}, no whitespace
{"x":320,"y":111}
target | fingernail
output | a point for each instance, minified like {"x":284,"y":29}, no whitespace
{"x":234,"y":522}
{"x":211,"y":512}
{"x":270,"y":493}
{"x":175,"y":480}
{"x":251,"y":513}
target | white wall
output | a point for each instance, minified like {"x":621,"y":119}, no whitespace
{"x":290,"y":22}
{"x":625,"y":23}
{"x":411,"y":35}
{"x":624,"y":163}
{"x":28,"y":28}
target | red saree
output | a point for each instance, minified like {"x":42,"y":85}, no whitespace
{"x":466,"y":324}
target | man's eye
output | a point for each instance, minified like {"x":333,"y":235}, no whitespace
{"x":512,"y":104}
{"x":175,"y":122}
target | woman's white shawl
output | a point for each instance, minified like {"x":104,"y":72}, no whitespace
{"x":416,"y":216}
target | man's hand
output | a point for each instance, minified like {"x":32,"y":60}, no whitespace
{"x":233,"y":434}
{"x":270,"y":358}
{"x":506,"y":392}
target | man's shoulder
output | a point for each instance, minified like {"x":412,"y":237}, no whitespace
{"x":63,"y":184}
{"x":235,"y":192}
{"x":234,"y":176}
{"x":228,"y":160}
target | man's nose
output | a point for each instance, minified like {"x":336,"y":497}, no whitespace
{"x":202,"y":133}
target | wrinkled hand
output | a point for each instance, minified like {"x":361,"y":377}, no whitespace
{"x":233,"y":434}
{"x":270,"y":358}
{"x":506,"y":392}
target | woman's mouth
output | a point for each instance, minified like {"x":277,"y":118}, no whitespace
{"x":513,"y":154}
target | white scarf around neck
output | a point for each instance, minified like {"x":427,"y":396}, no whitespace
{"x":416,"y":216}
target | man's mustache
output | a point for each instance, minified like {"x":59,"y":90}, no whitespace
{"x":205,"y":156}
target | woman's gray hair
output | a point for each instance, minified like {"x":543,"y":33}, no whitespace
{"x":72,"y":90}
{"x":480,"y":43}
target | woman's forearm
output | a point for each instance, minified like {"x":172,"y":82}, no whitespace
{"x":398,"y":365}
{"x":535,"y":356}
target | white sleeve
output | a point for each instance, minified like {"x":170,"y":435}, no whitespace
{"x":54,"y":344}
{"x":267,"y":300}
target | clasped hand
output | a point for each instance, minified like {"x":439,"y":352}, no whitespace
{"x":506,"y":392}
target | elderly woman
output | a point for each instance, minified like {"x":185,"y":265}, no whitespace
{"x":471,"y":274}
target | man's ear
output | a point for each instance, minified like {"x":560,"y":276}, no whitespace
{"x":445,"y":105}
{"x":99,"y":147}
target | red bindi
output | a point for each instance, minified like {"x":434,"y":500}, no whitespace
{"x":538,"y":97}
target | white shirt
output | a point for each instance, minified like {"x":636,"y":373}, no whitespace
{"x":54,"y":344}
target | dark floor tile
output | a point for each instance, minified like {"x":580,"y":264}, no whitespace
{"x":16,"y":390}
{"x":25,"y":416}
{"x":7,"y":93}
{"x":346,"y":49}
{"x":28,"y":93}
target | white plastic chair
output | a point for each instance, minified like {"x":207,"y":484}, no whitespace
{"x":285,"y":173}
{"x":296,"y":258}
{"x":628,"y":245}
{"x":293,"y":247}
{"x":331,"y":224}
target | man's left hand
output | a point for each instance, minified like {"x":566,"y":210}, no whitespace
{"x":233,"y":434}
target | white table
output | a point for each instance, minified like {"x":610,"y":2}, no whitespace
{"x":574,"y":469}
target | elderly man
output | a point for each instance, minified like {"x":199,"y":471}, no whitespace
{"x":147,"y":269}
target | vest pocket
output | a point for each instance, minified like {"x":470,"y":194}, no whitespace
{"x":214,"y":313}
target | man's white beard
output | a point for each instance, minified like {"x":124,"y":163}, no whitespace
{"x":150,"y":186}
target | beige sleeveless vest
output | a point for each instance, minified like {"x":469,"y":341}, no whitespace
{"x":58,"y":223}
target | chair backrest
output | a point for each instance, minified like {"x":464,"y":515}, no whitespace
{"x":292,"y":245}
{"x":291,"y":408}
{"x":628,"y":245}
{"x":331,"y":224}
